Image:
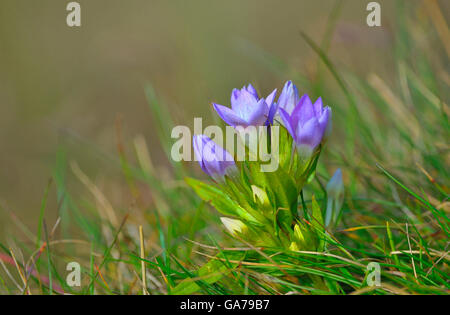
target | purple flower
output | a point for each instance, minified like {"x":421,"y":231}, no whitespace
{"x":308,"y":124}
{"x":247,"y":109}
{"x":289,"y":97}
{"x":213,"y":159}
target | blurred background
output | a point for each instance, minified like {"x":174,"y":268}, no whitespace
{"x":80,"y":90}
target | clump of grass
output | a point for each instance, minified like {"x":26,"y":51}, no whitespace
{"x":390,"y":139}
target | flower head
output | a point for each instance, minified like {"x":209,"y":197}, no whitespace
{"x":213,"y":159}
{"x":247,"y":109}
{"x":308,"y":124}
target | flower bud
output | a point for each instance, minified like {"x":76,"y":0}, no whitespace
{"x":335,"y":196}
{"x":234,"y":226}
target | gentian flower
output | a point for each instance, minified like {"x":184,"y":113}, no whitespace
{"x":213,"y":159}
{"x":247,"y":109}
{"x":335,"y":196}
{"x":308,"y":124}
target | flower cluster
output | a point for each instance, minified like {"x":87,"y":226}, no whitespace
{"x":263,"y":207}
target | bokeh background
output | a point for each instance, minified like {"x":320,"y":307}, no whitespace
{"x":66,"y":89}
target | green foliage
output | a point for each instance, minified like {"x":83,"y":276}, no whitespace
{"x":390,"y":138}
{"x":221,"y":201}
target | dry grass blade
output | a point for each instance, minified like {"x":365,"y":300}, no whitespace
{"x":143,"y":270}
{"x":105,"y":205}
{"x":22,"y":276}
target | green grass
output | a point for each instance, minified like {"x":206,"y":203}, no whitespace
{"x":390,"y":137}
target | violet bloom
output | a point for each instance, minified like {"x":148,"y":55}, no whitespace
{"x":308,"y":124}
{"x":213,"y":159}
{"x":247,"y":109}
{"x":289,"y":97}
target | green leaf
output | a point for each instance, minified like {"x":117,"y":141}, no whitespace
{"x":221,"y":201}
{"x":210,"y":273}
{"x":317,"y":218}
{"x":317,"y":222}
{"x":280,"y":186}
{"x":285,"y":191}
{"x":285,"y":153}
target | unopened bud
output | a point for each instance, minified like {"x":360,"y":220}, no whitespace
{"x":234,"y":226}
{"x":335,"y":195}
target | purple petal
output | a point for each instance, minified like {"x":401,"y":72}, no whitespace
{"x":214,"y":160}
{"x":245,"y":105}
{"x":289,"y":97}
{"x":304,"y":111}
{"x":270,"y":98}
{"x":248,"y":96}
{"x":309,"y":134}
{"x":273,"y":107}
{"x":229,"y":116}
{"x":198,"y":145}
{"x":272,"y":112}
{"x":318,"y":107}
{"x":287,"y":120}
{"x":217,"y":160}
{"x":209,"y":154}
{"x":251,"y":90}
{"x":235,"y":94}
{"x":259,"y":115}
{"x":325,"y":121}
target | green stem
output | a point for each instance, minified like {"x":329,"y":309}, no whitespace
{"x":305,"y":213}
